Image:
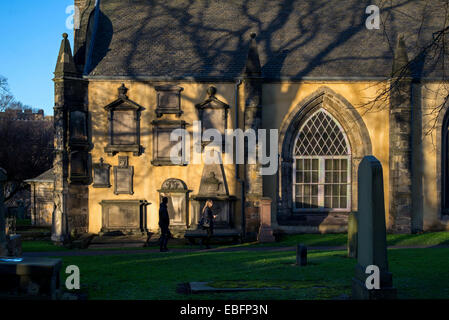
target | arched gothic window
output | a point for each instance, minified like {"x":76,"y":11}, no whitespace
{"x":322,"y":166}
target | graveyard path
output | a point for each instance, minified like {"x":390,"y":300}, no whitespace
{"x":99,"y":252}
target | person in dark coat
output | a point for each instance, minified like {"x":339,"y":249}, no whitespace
{"x":164,"y":223}
{"x":207,"y":222}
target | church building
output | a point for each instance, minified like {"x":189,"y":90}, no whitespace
{"x":310,"y":69}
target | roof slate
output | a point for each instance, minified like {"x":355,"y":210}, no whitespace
{"x":47,"y":176}
{"x":296,"y":38}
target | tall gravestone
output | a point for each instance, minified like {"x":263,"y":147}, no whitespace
{"x":352,"y":235}
{"x":265,"y":230}
{"x":3,"y":244}
{"x":371,"y":233}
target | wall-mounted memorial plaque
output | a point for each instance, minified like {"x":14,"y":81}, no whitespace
{"x":78,"y":129}
{"x":213,"y":114}
{"x":79,"y":172}
{"x":168,"y":100}
{"x":127,"y":216}
{"x":162,"y":145}
{"x":101,"y":174}
{"x":177,"y":193}
{"x":123,"y":177}
{"x":124,"y":125}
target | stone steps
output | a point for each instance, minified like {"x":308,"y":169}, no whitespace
{"x":124,"y":241}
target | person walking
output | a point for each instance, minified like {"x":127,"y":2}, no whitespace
{"x":207,"y":223}
{"x":164,"y":223}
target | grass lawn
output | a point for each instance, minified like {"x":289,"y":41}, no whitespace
{"x":40,"y":246}
{"x":429,"y":239}
{"x":340,"y":239}
{"x":417,"y":273}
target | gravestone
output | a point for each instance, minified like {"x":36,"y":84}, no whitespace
{"x":265,"y":230}
{"x":14,"y":245}
{"x":301,"y":255}
{"x":3,"y":244}
{"x":371,"y":235}
{"x":352,"y":235}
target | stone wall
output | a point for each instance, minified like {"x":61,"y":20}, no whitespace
{"x":148,"y":178}
{"x":41,"y":203}
{"x":400,"y":157}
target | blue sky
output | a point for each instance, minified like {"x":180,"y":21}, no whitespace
{"x":31,"y":33}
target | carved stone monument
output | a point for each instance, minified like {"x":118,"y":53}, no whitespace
{"x":123,"y":177}
{"x":214,"y":186}
{"x":125,"y":216}
{"x":265,"y":230}
{"x":102,"y":174}
{"x":78,"y":128}
{"x":372,"y":241}
{"x":177,"y":193}
{"x":162,"y":145}
{"x":213,"y":113}
{"x":124,"y":124}
{"x":168,"y":100}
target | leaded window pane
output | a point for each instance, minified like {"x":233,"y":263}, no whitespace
{"x":322,"y":136}
{"x":322,"y":174}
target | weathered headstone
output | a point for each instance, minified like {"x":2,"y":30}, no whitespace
{"x":371,"y":235}
{"x":301,"y":255}
{"x":14,"y":245}
{"x":352,"y":235}
{"x":3,"y":244}
{"x":265,"y":230}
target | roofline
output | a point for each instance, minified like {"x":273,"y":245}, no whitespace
{"x":234,"y":79}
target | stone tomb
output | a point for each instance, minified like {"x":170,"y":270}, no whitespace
{"x":372,"y":234}
{"x":30,"y":277}
{"x":124,"y":216}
